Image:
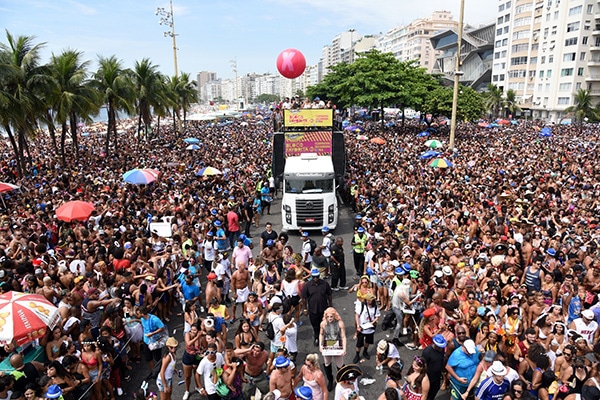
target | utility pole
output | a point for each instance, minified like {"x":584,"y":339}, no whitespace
{"x":235,"y":71}
{"x":457,"y":74}
{"x":167,"y":18}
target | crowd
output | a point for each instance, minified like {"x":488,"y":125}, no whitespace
{"x":487,"y":270}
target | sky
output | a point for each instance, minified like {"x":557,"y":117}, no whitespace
{"x":213,"y":34}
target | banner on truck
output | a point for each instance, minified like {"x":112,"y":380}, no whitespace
{"x":297,"y":143}
{"x":305,"y":118}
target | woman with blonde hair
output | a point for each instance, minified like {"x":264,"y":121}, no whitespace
{"x":313,"y":377}
{"x":332,"y":343}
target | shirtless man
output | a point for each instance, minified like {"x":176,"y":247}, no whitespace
{"x":562,"y":363}
{"x":535,"y":309}
{"x":591,"y":281}
{"x":270,"y":253}
{"x":256,"y":358}
{"x":211,"y":289}
{"x":239,"y":283}
{"x":282,"y":378}
{"x":527,"y":249}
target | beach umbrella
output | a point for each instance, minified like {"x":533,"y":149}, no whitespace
{"x":378,"y":140}
{"x":430,"y":154}
{"x":440,"y":163}
{"x":434,"y":144}
{"x":153,"y":171}
{"x":75,"y":211}
{"x":361,"y":137}
{"x":209,"y":171}
{"x":345,"y":123}
{"x":191,"y":140}
{"x":25,"y":317}
{"x":351,"y":127}
{"x":423,"y":134}
{"x":139,"y":176}
{"x":359,"y":129}
{"x":193,"y":147}
{"x":482,"y":124}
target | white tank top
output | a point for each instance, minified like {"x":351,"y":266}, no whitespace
{"x":289,"y":288}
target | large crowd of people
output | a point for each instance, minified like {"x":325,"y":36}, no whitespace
{"x":487,"y":271}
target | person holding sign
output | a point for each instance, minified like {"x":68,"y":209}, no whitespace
{"x":332,"y":343}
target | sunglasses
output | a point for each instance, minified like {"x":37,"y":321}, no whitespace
{"x":461,"y":333}
{"x":419,"y":361}
{"x":211,"y":352}
{"x":567,"y":354}
{"x":518,"y":391}
{"x":471,"y":298}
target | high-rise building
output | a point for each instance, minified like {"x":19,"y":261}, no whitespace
{"x":546,"y":50}
{"x":203,"y":78}
{"x":412,"y":42}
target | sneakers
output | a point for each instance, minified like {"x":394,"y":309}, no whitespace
{"x":411,"y":346}
{"x":119,"y":391}
{"x":316,"y":343}
{"x":335,"y":289}
{"x":356,"y":359}
{"x":366,"y":354}
{"x":344,"y":287}
{"x":404,"y":331}
{"x":186,"y":395}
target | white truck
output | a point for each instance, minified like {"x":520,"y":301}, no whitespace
{"x":309,"y":193}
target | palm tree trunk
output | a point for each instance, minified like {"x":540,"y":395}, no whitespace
{"x":109,"y":111}
{"x":382,"y":119}
{"x":74,"y":135}
{"x":174,"y":121}
{"x":139,"y":127}
{"x":52,"y":132}
{"x":62,"y":143}
{"x":13,"y":143}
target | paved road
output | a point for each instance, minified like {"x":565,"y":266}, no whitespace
{"x":342,"y":300}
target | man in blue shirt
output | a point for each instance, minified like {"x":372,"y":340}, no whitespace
{"x":462,"y":366}
{"x":191,"y":291}
{"x":220,"y":237}
{"x":495,"y":386}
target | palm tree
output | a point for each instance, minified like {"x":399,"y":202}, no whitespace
{"x":182,"y":94}
{"x":493,"y":99}
{"x":116,"y":92}
{"x":74,"y":95}
{"x":22,"y":84}
{"x":510,"y":102}
{"x":582,"y":106}
{"x":147,"y":85}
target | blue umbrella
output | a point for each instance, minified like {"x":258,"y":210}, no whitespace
{"x":546,"y":129}
{"x":545,"y":134}
{"x":429,"y":154}
{"x":345,"y":123}
{"x":139,"y":176}
{"x":423,"y":134}
{"x":191,"y":140}
{"x":193,"y":147}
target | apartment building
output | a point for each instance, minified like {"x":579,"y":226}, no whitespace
{"x":546,"y":50}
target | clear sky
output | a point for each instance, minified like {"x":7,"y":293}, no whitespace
{"x":211,"y":33}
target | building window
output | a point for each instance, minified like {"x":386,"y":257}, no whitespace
{"x":569,"y":57}
{"x":573,"y":26}
{"x":533,"y":60}
{"x":549,"y":73}
{"x":501,"y":77}
{"x":566,"y":72}
{"x":518,"y":61}
{"x":571,"y":42}
{"x":498,"y":43}
{"x":580,"y":71}
{"x":563,"y":101}
{"x":565,"y":87}
{"x":584,"y":40}
{"x":506,"y":29}
{"x":499,"y":31}
{"x":507,"y":5}
{"x":575,"y":10}
{"x":495,"y":78}
{"x":541,"y":74}
{"x":578,"y":86}
{"x":582,"y":56}
{"x":522,"y":21}
{"x":550,"y":59}
{"x":590,"y":9}
{"x":501,"y":7}
{"x":504,"y":42}
{"x":500,"y":20}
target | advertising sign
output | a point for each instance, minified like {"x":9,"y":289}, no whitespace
{"x":297,"y":143}
{"x":308,"y":117}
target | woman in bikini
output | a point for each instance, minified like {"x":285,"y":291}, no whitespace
{"x":54,"y":342}
{"x":91,"y":356}
{"x":245,"y":336}
{"x":253,"y":310}
{"x":417,"y":382}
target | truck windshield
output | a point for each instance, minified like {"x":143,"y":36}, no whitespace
{"x":309,"y":185}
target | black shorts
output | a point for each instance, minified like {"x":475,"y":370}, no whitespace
{"x":361,"y":339}
{"x":150,"y":355}
{"x":220,"y":283}
{"x":189,"y":360}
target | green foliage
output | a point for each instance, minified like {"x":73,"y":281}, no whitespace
{"x":493,"y":99}
{"x":470,"y":106}
{"x":267,"y":98}
{"x":583,"y":106}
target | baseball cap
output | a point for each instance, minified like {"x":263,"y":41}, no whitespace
{"x":587,"y":314}
{"x":470,"y":346}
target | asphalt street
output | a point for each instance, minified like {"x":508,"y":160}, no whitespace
{"x":342,"y":301}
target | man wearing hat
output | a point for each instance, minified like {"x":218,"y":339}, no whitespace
{"x":359,"y":244}
{"x":325,"y":247}
{"x":586,"y":326}
{"x":495,"y":386}
{"x":303,"y":393}
{"x":220,"y":237}
{"x":281,"y":378}
{"x":316,"y":298}
{"x":306,"y":250}
{"x":436,"y":364}
{"x":347,"y":382}
{"x":462,"y":365}
{"x":209,"y":250}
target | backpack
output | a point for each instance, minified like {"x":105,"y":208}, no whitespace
{"x":270,"y":331}
{"x":313,"y":246}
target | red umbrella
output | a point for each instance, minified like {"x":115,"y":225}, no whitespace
{"x":74,"y":211}
{"x":7,"y":187}
{"x":25,"y":317}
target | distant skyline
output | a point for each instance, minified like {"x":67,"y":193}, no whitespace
{"x":210,"y":34}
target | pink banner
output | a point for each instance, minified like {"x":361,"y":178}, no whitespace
{"x":297,"y":143}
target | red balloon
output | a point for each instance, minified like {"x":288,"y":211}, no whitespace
{"x":291,"y":63}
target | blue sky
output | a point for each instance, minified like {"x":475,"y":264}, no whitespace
{"x":211,"y":33}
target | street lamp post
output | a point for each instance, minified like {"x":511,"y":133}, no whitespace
{"x":167,"y":18}
{"x":235,"y":71}
{"x":457,"y":74}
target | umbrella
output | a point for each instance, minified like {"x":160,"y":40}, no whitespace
{"x":503,"y":122}
{"x":191,"y":140}
{"x":74,"y":211}
{"x":482,"y":124}
{"x":430,"y":154}
{"x":423,"y":134}
{"x":244,"y":123}
{"x":193,"y":147}
{"x":440,"y":163}
{"x":378,"y":140}
{"x":361,"y":137}
{"x":351,"y":127}
{"x":207,"y":171}
{"x":139,"y":176}
{"x":154,"y":172}
{"x":25,"y":317}
{"x":359,"y":129}
{"x":434,"y":144}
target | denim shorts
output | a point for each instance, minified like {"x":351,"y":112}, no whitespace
{"x":159,"y":384}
